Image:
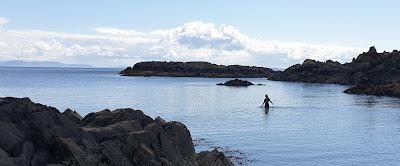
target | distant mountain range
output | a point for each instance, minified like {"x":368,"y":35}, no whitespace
{"x":21,"y":63}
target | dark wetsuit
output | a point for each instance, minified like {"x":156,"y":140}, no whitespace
{"x":266,"y":101}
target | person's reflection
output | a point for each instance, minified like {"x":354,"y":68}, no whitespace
{"x":369,"y":102}
{"x":266,"y":110}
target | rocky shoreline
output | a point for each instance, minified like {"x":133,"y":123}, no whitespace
{"x":35,"y":134}
{"x":391,"y":90}
{"x":371,"y":73}
{"x":195,"y":69}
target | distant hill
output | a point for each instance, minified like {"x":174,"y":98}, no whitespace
{"x":21,"y":63}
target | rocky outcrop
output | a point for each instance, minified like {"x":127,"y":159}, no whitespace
{"x":369,"y":68}
{"x":312,"y":71}
{"x":73,"y":115}
{"x":195,"y":69}
{"x":236,"y":82}
{"x":35,"y":134}
{"x":391,"y":89}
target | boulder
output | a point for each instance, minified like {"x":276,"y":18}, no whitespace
{"x":107,"y":117}
{"x":214,"y":157}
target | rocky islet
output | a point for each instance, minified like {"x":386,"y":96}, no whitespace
{"x":195,"y":69}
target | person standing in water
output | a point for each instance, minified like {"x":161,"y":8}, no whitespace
{"x":266,"y":102}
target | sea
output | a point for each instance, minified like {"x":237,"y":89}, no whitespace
{"x":308,"y":124}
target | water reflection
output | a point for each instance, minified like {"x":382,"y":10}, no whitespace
{"x":266,"y":110}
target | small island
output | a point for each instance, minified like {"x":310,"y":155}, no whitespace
{"x":35,"y":134}
{"x":371,"y":73}
{"x":236,"y":82}
{"x":195,"y":69}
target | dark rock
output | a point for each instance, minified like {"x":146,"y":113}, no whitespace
{"x":73,"y":115}
{"x":212,"y":158}
{"x":236,"y":82}
{"x":372,"y":50}
{"x":160,"y":121}
{"x":34,"y":134}
{"x":313,"y":72}
{"x":368,"y":68}
{"x":107,"y":117}
{"x":390,"y":89}
{"x":195,"y":69}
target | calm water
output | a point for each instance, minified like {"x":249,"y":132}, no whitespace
{"x":310,"y":124}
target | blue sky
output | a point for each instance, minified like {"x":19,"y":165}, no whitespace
{"x":355,"y":24}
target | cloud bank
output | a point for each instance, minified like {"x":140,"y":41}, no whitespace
{"x":3,"y":21}
{"x":193,"y":41}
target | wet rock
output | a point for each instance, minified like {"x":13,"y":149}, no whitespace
{"x":35,"y":135}
{"x":236,"y":82}
{"x":195,"y":69}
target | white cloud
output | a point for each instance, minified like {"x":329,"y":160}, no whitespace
{"x":196,"y":40}
{"x":3,"y":21}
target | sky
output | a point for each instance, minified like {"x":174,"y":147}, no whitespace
{"x":257,"y":32}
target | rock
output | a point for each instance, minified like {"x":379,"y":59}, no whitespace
{"x":372,"y":50}
{"x":73,"y":115}
{"x":212,"y":158}
{"x":390,"y":89}
{"x":236,"y":82}
{"x":195,"y":69}
{"x":35,"y":135}
{"x":160,"y":121}
{"x":312,"y":71}
{"x":107,"y":117}
{"x":368,"y":68}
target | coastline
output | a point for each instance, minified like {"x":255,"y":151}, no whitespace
{"x":371,"y":73}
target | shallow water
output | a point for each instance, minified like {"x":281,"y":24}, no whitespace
{"x":309,"y":124}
